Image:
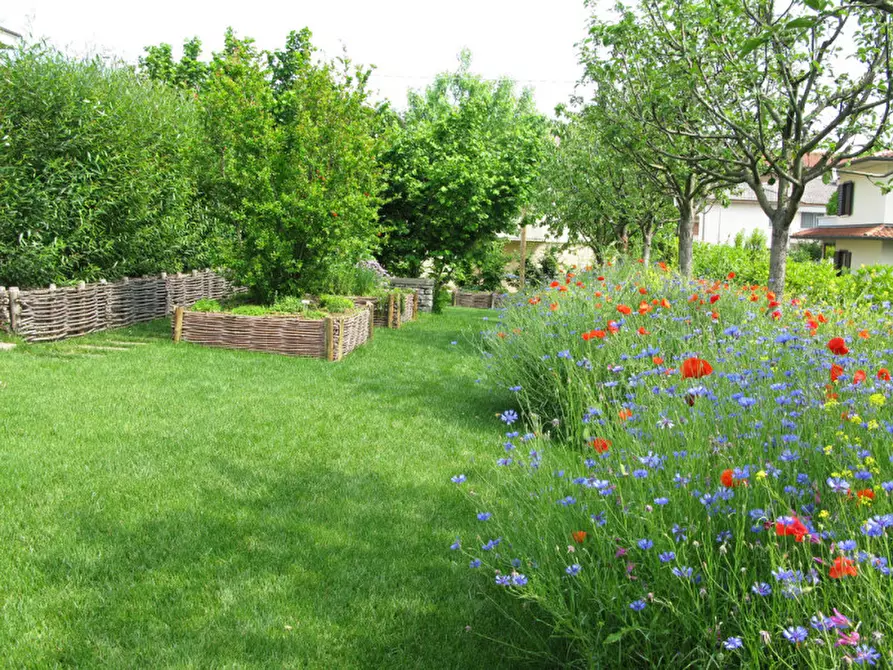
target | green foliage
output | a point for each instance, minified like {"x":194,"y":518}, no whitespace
{"x":250,"y":310}
{"x":461,"y":166}
{"x":291,"y":159}
{"x":442,"y":299}
{"x":350,"y":279}
{"x":335,"y":303}
{"x":99,"y":173}
{"x":206,"y":305}
{"x":483,"y":268}
{"x":805,"y":251}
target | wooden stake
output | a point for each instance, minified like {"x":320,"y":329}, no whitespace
{"x":13,"y":308}
{"x":178,"y":323}
{"x":391,"y":311}
{"x":370,"y":307}
{"x":330,"y":338}
{"x":492,"y":300}
{"x":455,"y":297}
{"x":340,"y":339}
{"x":523,"y":255}
{"x":415,"y":305}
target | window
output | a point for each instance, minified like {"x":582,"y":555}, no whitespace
{"x":845,"y":199}
{"x":809,"y":219}
{"x":842,"y":259}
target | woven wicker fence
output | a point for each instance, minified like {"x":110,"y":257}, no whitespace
{"x":388,"y":312}
{"x":44,"y":315}
{"x":331,"y":338}
{"x":477,"y":299}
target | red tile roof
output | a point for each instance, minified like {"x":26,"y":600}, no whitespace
{"x":879,"y":231}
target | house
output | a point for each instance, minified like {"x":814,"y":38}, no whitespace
{"x":862,"y":231}
{"x":8,"y":38}
{"x":539,"y":239}
{"x":721,"y":224}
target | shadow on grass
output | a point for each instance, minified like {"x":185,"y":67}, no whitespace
{"x":296,"y":569}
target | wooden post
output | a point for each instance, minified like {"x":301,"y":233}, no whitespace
{"x":178,"y":323}
{"x":340,"y":339}
{"x":455,"y":297}
{"x":523,"y":255}
{"x":370,"y":307}
{"x":415,"y":305}
{"x":391,"y":310}
{"x":330,"y":338}
{"x":492,"y":300}
{"x":13,"y":308}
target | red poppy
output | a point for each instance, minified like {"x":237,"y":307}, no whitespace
{"x":601,"y":278}
{"x":836,"y":371}
{"x":644,"y":307}
{"x":662,"y":266}
{"x":500,"y":335}
{"x":859,"y":376}
{"x":795,"y":528}
{"x":694,"y":298}
{"x":535,"y":300}
{"x":728,"y":479}
{"x":696,"y":368}
{"x":625,"y":414}
{"x":623,"y":309}
{"x":600,"y":444}
{"x":554,"y":284}
{"x":883,"y":374}
{"x":562,"y":289}
{"x":657,"y":360}
{"x":837,"y":346}
{"x":731,"y":275}
{"x":642,"y":331}
{"x":579,"y":536}
{"x":665,"y":303}
{"x":754,"y":297}
{"x":865,"y":493}
{"x":822,"y":319}
{"x":776,"y":315}
{"x":643,"y":290}
{"x":843,"y":567}
{"x":612,"y":327}
{"x":863,"y":334}
{"x":554,"y":306}
{"x":714,"y":298}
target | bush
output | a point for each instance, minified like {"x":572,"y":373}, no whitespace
{"x":99,"y":173}
{"x":250,"y":310}
{"x":206,"y":305}
{"x":655,"y":510}
{"x":442,"y":299}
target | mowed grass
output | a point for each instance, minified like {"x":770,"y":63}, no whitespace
{"x":173,"y":505}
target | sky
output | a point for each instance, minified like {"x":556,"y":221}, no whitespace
{"x":409,"y":41}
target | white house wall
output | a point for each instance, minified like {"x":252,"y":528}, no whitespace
{"x":867,"y":252}
{"x":870,"y":205}
{"x":720,"y":225}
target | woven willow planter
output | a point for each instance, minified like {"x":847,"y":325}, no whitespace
{"x":388,"y":311}
{"x":331,"y":338}
{"x":476,"y":299}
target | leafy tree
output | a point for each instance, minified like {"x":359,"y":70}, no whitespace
{"x":189,"y":72}
{"x":593,"y":190}
{"x":636,"y":83}
{"x":782,"y":93}
{"x":293,"y":166}
{"x":461,"y":166}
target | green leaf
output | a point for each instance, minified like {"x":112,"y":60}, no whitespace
{"x":802,"y":22}
{"x":817,"y":5}
{"x":753,"y":43}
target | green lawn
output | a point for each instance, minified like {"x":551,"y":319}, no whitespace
{"x":172,"y":505}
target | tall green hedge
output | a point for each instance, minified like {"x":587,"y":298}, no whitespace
{"x":98,"y":172}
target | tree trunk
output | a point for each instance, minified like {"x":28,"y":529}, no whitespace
{"x":686,"y":236}
{"x":778,"y":254}
{"x":647,"y":237}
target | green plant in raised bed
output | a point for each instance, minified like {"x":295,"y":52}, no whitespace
{"x":335,"y":303}
{"x":206,"y":305}
{"x":250,"y":310}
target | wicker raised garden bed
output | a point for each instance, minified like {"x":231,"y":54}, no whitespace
{"x":331,"y":338}
{"x":476,"y":299}
{"x":392,"y":310}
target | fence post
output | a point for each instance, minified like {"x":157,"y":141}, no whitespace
{"x":13,"y":308}
{"x":415,"y":305}
{"x":391,"y":310}
{"x":492,"y":300}
{"x":370,"y":307}
{"x":340,"y":339}
{"x":456,"y":298}
{"x":178,"y":323}
{"x":330,"y":338}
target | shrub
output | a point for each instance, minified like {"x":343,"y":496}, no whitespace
{"x":250,"y":310}
{"x":697,"y":485}
{"x":442,"y":299}
{"x":99,"y":173}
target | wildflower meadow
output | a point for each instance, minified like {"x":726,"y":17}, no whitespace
{"x":695,"y":474}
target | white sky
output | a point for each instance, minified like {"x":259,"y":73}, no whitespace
{"x":408,"y":40}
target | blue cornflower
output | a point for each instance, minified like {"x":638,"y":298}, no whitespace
{"x":484,"y":516}
{"x":519,"y":580}
{"x":491,"y":544}
{"x":684,"y":572}
{"x":761,"y":589}
{"x":573,"y":570}
{"x":569,"y":500}
{"x":456,"y":545}
{"x":503,"y":580}
{"x":458,"y":479}
{"x":564,"y":354}
{"x":509,"y":416}
{"x":640,"y":474}
{"x":661,"y":501}
{"x":667,"y":556}
{"x":795,"y":634}
{"x":515,"y":388}
{"x":600,"y":519}
{"x":679,"y":533}
{"x":504,"y":461}
{"x":475,"y":563}
{"x":645,"y":544}
{"x":872,"y":528}
{"x":733,"y":643}
{"x":788,"y":456}
{"x":516,"y":562}
{"x":866,"y":654}
{"x":847,"y":545}
{"x":637,"y":605}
